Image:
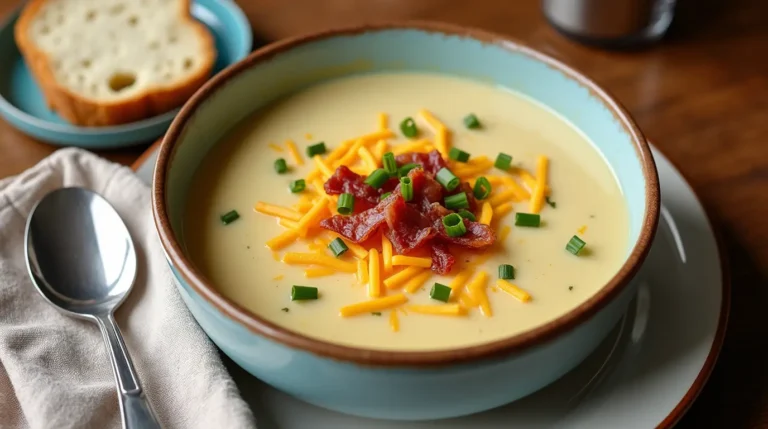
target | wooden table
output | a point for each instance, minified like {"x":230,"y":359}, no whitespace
{"x":701,"y":96}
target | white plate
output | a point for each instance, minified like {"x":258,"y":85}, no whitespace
{"x":646,"y":374}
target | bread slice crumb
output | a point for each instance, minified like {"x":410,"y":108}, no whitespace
{"x":109,"y":62}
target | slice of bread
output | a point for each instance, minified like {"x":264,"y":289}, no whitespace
{"x":109,"y":62}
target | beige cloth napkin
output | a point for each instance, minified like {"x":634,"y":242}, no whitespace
{"x":54,"y":370}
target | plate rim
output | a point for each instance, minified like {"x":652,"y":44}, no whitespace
{"x":694,"y":390}
{"x":70,"y":130}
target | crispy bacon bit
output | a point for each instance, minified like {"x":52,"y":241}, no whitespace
{"x":408,"y":225}
{"x":431,"y":162}
{"x":442,"y":260}
{"x":345,"y":180}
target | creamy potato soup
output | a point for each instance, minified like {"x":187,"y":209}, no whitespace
{"x":548,"y":235}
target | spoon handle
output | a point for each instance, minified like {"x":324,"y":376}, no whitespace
{"x":135,"y":410}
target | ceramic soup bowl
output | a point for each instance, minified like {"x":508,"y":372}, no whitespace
{"x":397,"y":384}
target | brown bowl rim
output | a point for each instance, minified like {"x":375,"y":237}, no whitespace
{"x":375,"y":357}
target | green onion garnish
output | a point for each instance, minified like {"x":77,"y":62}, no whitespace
{"x":346,"y":204}
{"x":281,"y":166}
{"x":403,"y":171}
{"x":506,"y":271}
{"x":408,"y":127}
{"x":454,"y":225}
{"x":551,"y":203}
{"x":229,"y":217}
{"x":384,"y":195}
{"x":377,"y":179}
{"x":440,"y":292}
{"x":458,"y":201}
{"x":376,"y":313}
{"x":316,"y":149}
{"x":390,"y":165}
{"x":338,"y":247}
{"x":458,"y":155}
{"x":285,"y":309}
{"x":301,"y":293}
{"x":406,"y":188}
{"x":527,"y":219}
{"x":466,"y":214}
{"x":471,"y":122}
{"x":446,"y":178}
{"x":503,"y":161}
{"x":298,"y":185}
{"x":482,"y":188}
{"x":575,"y":244}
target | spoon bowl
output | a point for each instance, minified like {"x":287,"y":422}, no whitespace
{"x":81,"y":258}
{"x":80,"y":253}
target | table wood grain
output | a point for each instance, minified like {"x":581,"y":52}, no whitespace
{"x":701,"y":96}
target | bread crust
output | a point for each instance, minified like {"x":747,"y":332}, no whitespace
{"x":82,"y":111}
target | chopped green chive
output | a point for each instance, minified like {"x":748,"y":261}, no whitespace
{"x":458,"y":155}
{"x":446,"y":178}
{"x":575,"y":245}
{"x":466,"y":214}
{"x":298,"y":185}
{"x":440,"y":292}
{"x":377,"y":178}
{"x":506,"y":271}
{"x":285,"y":309}
{"x":281,"y":166}
{"x":301,"y":293}
{"x":338,"y":247}
{"x":503,"y":161}
{"x":403,"y":171}
{"x":454,"y":225}
{"x":346,"y":204}
{"x":471,"y":122}
{"x":570,"y":287}
{"x":384,"y":195}
{"x":551,"y":203}
{"x":316,"y":149}
{"x":390,"y":165}
{"x":229,"y":217}
{"x":406,"y":188}
{"x":376,"y":313}
{"x":527,"y":219}
{"x":458,"y":201}
{"x":408,"y":127}
{"x":482,"y":188}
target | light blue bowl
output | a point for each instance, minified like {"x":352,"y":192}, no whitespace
{"x":23,"y":106}
{"x":403,"y":385}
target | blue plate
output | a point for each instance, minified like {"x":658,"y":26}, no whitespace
{"x":23,"y":106}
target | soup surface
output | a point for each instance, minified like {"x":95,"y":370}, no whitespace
{"x":584,"y":199}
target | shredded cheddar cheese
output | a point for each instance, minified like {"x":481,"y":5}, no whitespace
{"x":374,"y":274}
{"x":418,"y":281}
{"x":351,"y":156}
{"x":377,"y":304}
{"x":278,"y":211}
{"x":411,"y":261}
{"x":486,"y":213}
{"x":296,"y":258}
{"x":383,"y":121}
{"x":466,"y":299}
{"x":398,"y":279}
{"x":529,"y":180}
{"x":519,"y":191}
{"x":501,"y":210}
{"x":582,"y":230}
{"x":504,"y":233}
{"x":476,"y":288}
{"x":294,"y":151}
{"x":386,"y":254}
{"x":537,"y":197}
{"x":313,"y":272}
{"x":278,"y":277}
{"x":458,"y":282}
{"x":421,"y":145}
{"x":275,"y":147}
{"x":394,"y":322}
{"x":502,"y":197}
{"x":324,"y":169}
{"x":473,"y":167}
{"x":283,"y":240}
{"x":362,"y":271}
{"x":312,"y":217}
{"x":438,"y":310}
{"x":380,"y":150}
{"x":513,"y":290}
{"x":288,"y":224}
{"x":367,"y":158}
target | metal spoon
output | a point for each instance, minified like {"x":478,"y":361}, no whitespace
{"x":81,"y":259}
